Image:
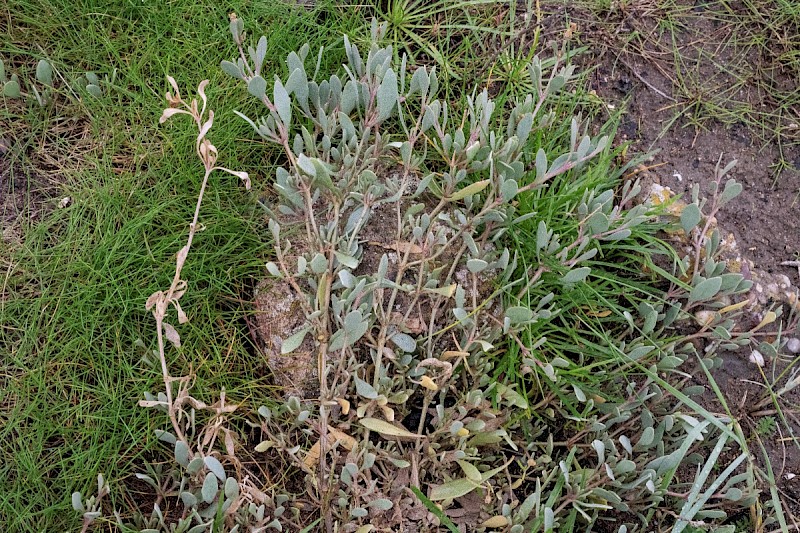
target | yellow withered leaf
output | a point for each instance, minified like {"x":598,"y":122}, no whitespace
{"x":496,"y":522}
{"x":428,"y":383}
{"x":734,"y":307}
{"x":769,"y":318}
{"x":334,"y":435}
{"x":469,"y":190}
{"x":387,"y":428}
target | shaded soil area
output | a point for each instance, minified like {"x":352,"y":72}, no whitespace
{"x":695,"y":89}
{"x":33,"y":166}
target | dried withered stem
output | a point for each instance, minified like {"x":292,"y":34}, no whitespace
{"x":160,"y":301}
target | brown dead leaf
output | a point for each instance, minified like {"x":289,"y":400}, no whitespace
{"x":400,"y":247}
{"x":348,"y":442}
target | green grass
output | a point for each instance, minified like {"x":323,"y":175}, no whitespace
{"x":74,"y":289}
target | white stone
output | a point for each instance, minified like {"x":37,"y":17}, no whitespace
{"x":793,"y":345}
{"x":756,"y":358}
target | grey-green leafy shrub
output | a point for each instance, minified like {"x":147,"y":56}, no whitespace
{"x":391,"y":232}
{"x":43,"y":87}
{"x":379,"y":137}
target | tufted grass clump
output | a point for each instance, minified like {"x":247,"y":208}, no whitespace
{"x":472,"y":327}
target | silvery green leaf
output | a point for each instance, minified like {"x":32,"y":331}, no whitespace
{"x":182,"y":453}
{"x":404,"y":342}
{"x":579,"y":394}
{"x":231,"y":69}
{"x":231,"y":488}
{"x":282,"y":102}
{"x":349,"y":97}
{"x":381,"y":504}
{"x":508,"y":190}
{"x":165,"y":436}
{"x":607,"y":495}
{"x":734,"y":494}
{"x":273,"y":269}
{"x":94,"y":90}
{"x":257,"y":86}
{"x":213,"y":464}
{"x":302,"y":263}
{"x":647,"y":437}
{"x":195,"y":465}
{"x":353,"y":319}
{"x":600,"y":448}
{"x":189,"y":500}
{"x":476,"y":265}
{"x":346,"y":260}
{"x":541,"y":165}
{"x":705,"y":290}
{"x":618,"y":235}
{"x":92,"y":77}
{"x":383,"y":267}
{"x":626,"y":466}
{"x":294,"y":341}
{"x":524,"y":127}
{"x":690,"y":217}
{"x":576,"y":275}
{"x":364,"y":389}
{"x":428,"y":119}
{"x":512,"y":397}
{"x":519,"y":314}
{"x":542,"y":235}
{"x":44,"y":73}
{"x":354,"y":328}
{"x":386,"y":98}
{"x":261,"y":52}
{"x":556,"y":84}
{"x":298,"y":85}
{"x":11,"y":89}
{"x":358,"y":512}
{"x":650,"y":317}
{"x":347,"y":279}
{"x":669,"y":362}
{"x":210,"y":488}
{"x":639,"y":352}
{"x":306,"y":165}
{"x":77,"y":504}
{"x":598,"y":222}
{"x":353,"y":219}
{"x":319,"y":263}
{"x":732,"y":188}
{"x":626,"y":443}
{"x":419,"y":82}
{"x":585,"y":256}
{"x":453,"y":489}
{"x":236,"y":27}
{"x":549,"y":519}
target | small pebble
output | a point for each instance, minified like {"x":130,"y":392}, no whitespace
{"x":793,"y":345}
{"x":756,"y":358}
{"x":705,"y":317}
